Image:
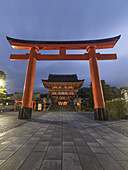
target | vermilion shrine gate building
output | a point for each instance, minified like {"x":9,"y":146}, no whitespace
{"x":62,"y":88}
{"x":90,"y":46}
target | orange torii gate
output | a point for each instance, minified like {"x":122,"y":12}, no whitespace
{"x":100,"y":112}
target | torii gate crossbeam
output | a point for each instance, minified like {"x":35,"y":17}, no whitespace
{"x":100,"y":112}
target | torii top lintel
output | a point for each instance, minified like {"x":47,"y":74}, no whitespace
{"x":69,"y":45}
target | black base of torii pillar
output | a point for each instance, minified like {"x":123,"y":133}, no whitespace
{"x":100,"y":114}
{"x":25,"y":113}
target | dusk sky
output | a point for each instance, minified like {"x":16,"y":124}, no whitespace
{"x":63,"y":20}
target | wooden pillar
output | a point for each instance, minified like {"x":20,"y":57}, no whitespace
{"x":19,"y":105}
{"x":35,"y":106}
{"x":26,"y":110}
{"x":44,"y":100}
{"x":79,"y":103}
{"x":68,"y":98}
{"x":57,"y":98}
{"x":100,"y":112}
{"x":15,"y":105}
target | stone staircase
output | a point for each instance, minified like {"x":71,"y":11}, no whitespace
{"x":63,"y":108}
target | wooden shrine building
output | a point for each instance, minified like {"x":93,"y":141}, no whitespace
{"x":62,"y":88}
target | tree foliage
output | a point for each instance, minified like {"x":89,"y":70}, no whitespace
{"x":3,"y":92}
{"x":109,"y":93}
{"x":116,"y":108}
{"x":2,"y":75}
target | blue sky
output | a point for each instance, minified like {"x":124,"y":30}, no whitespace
{"x":63,"y":20}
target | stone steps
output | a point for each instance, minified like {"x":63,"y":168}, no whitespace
{"x":62,"y":108}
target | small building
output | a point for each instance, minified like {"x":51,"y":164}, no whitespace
{"x":62,"y":88}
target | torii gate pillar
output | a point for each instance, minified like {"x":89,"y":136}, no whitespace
{"x":26,"y":110}
{"x":100,"y":113}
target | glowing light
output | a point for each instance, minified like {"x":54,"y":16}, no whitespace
{"x":1,"y":82}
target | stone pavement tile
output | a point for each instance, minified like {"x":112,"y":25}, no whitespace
{"x":68,"y":143}
{"x":57,"y":134}
{"x":69,"y":149}
{"x":67,"y":132}
{"x":51,"y":165}
{"x":53,"y":153}
{"x":39,"y":148}
{"x":96,"y":135}
{"x":101,"y":133}
{"x":124,"y":150}
{"x":55,"y":141}
{"x":89,"y":161}
{"x":38,"y":134}
{"x":119,"y":137}
{"x":107,"y":162}
{"x":33,"y":161}
{"x":71,"y":162}
{"x":94,"y":144}
{"x":13,"y":138}
{"x":46,"y":137}
{"x":48,"y":132}
{"x":67,"y":138}
{"x":2,"y":147}
{"x":111,"y":139}
{"x":84,"y":150}
{"x":2,"y":161}
{"x":42,"y":129}
{"x":30,"y":142}
{"x":6,"y":142}
{"x":43,"y":143}
{"x":124,"y":164}
{"x":89,"y":138}
{"x":80,"y":142}
{"x":12,"y":147}
{"x":104,"y":143}
{"x":51,"y":128}
{"x":16,"y":159}
{"x":97,"y":150}
{"x":116,"y":154}
{"x":4,"y":155}
{"x":115,"y":142}
{"x":119,"y":145}
{"x":76,"y":135}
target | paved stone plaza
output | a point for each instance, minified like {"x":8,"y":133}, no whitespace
{"x":63,"y":141}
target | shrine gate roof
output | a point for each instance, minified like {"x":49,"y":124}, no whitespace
{"x":62,"y":78}
{"x":54,"y":45}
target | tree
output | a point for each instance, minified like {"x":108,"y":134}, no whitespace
{"x":2,"y":79}
{"x":109,"y":93}
{"x":3,"y":92}
{"x":2,"y":75}
{"x":86,"y":94}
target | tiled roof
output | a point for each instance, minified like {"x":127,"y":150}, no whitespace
{"x":62,"y":78}
{"x":20,"y":95}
